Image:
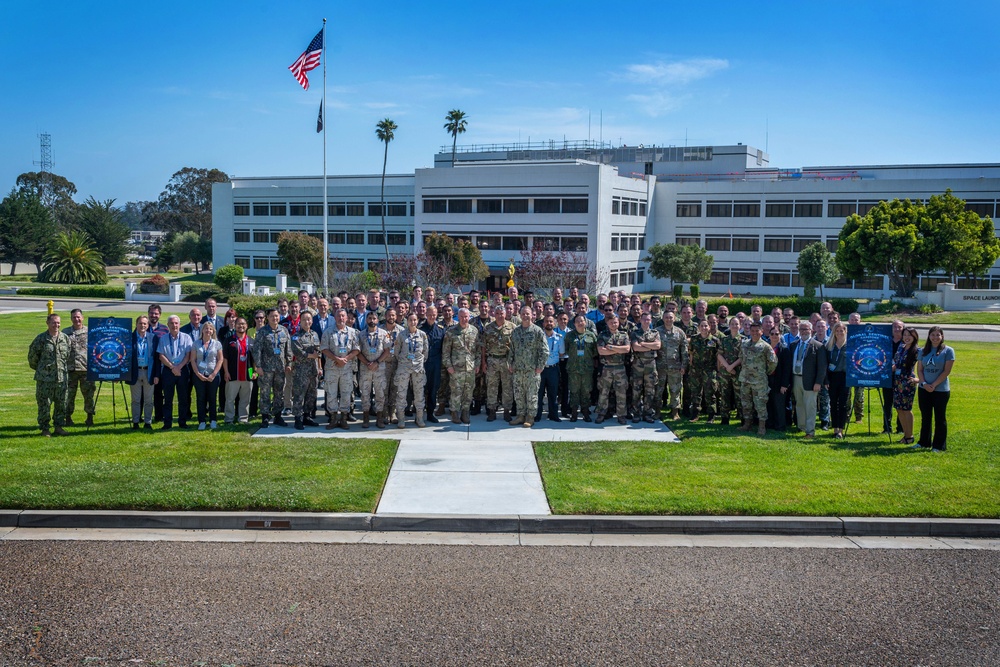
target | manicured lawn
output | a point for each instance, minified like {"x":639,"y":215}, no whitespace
{"x":941,"y":318}
{"x":718,"y":470}
{"x":117,"y":468}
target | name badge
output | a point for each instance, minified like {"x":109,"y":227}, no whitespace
{"x":411,"y":357}
{"x":243,"y":357}
{"x":342,"y":351}
{"x":899,"y":371}
{"x":276,"y":350}
{"x":579,"y":353}
{"x":832,"y":367}
{"x":372,"y":351}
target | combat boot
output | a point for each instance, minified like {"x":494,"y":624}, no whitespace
{"x":745,"y":426}
{"x":46,"y":433}
{"x":90,"y":420}
{"x":298,"y":424}
{"x":675,"y":415}
{"x":309,"y":421}
{"x":348,"y":417}
{"x":476,"y":409}
{"x":420,"y":422}
{"x":380,"y":419}
{"x":507,"y":416}
{"x":439,"y":411}
{"x":455,"y":418}
{"x":491,"y":415}
{"x":600,"y":418}
{"x":725,"y":421}
{"x":586,"y":415}
{"x":365,"y":423}
{"x":517,"y":421}
{"x":332,"y":423}
{"x":622,"y":420}
{"x":59,"y":430}
{"x":342,"y":421}
{"x":466,"y":416}
{"x":761,"y":429}
{"x":572,"y":415}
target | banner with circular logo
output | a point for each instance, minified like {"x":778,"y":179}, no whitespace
{"x":109,"y":349}
{"x":869,"y":355}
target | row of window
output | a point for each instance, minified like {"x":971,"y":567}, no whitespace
{"x":519,"y":243}
{"x":749,"y":278}
{"x":738,"y":243}
{"x":520,"y":205}
{"x":628,"y":206}
{"x":335,"y":237}
{"x":315,"y":209}
{"x":628,"y":242}
{"x":773,"y":209}
{"x":626,"y":277}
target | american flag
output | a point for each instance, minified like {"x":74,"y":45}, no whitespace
{"x":309,"y":60}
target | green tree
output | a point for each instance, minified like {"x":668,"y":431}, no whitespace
{"x":186,"y":203}
{"x":669,"y":260}
{"x":186,"y":248}
{"x":817,"y":267}
{"x":455,"y":123}
{"x":300,"y":256}
{"x":462,"y":257}
{"x":964,"y":244}
{"x":699,"y":262}
{"x":888,"y":240}
{"x":229,"y":277}
{"x":26,"y":228}
{"x":73,"y":260}
{"x":133,"y":216}
{"x":385,"y":131}
{"x":164,"y":257}
{"x":102,"y":222}
{"x":54,"y":191}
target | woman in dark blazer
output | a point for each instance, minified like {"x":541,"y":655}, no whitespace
{"x":836,"y":377}
{"x":779,"y":384}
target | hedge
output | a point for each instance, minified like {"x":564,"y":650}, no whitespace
{"x":246,"y":305}
{"x":84,"y":291}
{"x":801,"y":305}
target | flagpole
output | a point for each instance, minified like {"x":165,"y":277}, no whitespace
{"x":326,"y":208}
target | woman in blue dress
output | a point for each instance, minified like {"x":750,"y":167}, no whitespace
{"x":904,"y":381}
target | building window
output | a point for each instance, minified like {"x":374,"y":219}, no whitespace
{"x":777,"y":279}
{"x":841,"y":209}
{"x":297,"y":209}
{"x":642,"y":210}
{"x":435,"y":206}
{"x":873,"y":282}
{"x":546,"y":206}
{"x":261,"y":236}
{"x":718,"y":277}
{"x":279,"y":209}
{"x":832,"y":243}
{"x":801,"y":242}
{"x":489,"y":206}
{"x":355,"y":210}
{"x":796,"y":280}
{"x":412,"y":208}
{"x":375,"y":210}
{"x":930,"y":283}
{"x":778,"y":210}
{"x":397,"y":210}
{"x":241,"y":236}
{"x":338,"y":210}
{"x":746,"y":244}
{"x":614,"y":242}
{"x":275,"y":235}
{"x":746,"y":210}
{"x":375,"y":238}
{"x":516,"y":243}
{"x":642,"y":243}
{"x":688,"y":209}
{"x":354,"y":266}
{"x":315,"y":210}
{"x":719,"y":210}
{"x":242,"y":261}
{"x":688,"y":240}
{"x":640,"y":276}
{"x":808,"y":209}
{"x":865,"y":206}
{"x":777,"y":244}
{"x":460,"y":206}
{"x":744,"y":278}
{"x":982,"y":208}
{"x":633,"y":208}
{"x":261,"y":210}
{"x":515,"y":205}
{"x":488,"y":242}
{"x":613,"y":279}
{"x":616,"y":206}
{"x":397,"y":238}
{"x":336,"y":238}
{"x":842,"y":283}
{"x":574,"y":244}
{"x":545,"y":243}
{"x":575,"y":205}
{"x":355,"y":238}
{"x":262,"y":263}
{"x":718,"y":243}
{"x":316,"y":235}
{"x":241,"y":209}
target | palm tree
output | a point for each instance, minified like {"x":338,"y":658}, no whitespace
{"x":72,"y":260}
{"x":455,"y":123}
{"x":384,"y":130}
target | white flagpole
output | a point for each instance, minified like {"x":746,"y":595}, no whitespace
{"x":326,"y":208}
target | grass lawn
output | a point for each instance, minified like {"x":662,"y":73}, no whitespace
{"x":117,"y":468}
{"x":718,"y":470}
{"x":941,"y":318}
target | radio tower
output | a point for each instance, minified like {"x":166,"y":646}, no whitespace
{"x":46,"y":145}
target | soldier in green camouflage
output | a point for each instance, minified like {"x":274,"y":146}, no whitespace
{"x":305,"y":353}
{"x":392,"y":330}
{"x":372,"y":356}
{"x":460,"y":355}
{"x":671,"y":364}
{"x":613,"y":348}
{"x":645,"y":344}
{"x":729,"y":368}
{"x":527,"y":356}
{"x":78,"y":370}
{"x":49,"y":357}
{"x":410,"y":350}
{"x":702,"y":378}
{"x":272,"y":352}
{"x":581,"y":353}
{"x":758,"y":361}
{"x":494,"y":348}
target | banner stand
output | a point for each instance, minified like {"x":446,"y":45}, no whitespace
{"x":868,"y":400}
{"x":114,"y":403}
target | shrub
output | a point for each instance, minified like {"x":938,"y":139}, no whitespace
{"x":695,"y":291}
{"x":246,"y":305}
{"x":888,"y":307}
{"x":155,"y":285}
{"x":82,"y":291}
{"x":71,"y":259}
{"x":801,"y":305}
{"x":229,"y":278}
{"x":678,"y":292}
{"x":929,"y":308}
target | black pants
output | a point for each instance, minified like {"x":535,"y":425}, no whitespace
{"x":206,"y":394}
{"x":933,"y":403}
{"x":182,"y":385}
{"x":839,"y":394}
{"x":776,"y":406}
{"x":433,"y":370}
{"x":550,"y":385}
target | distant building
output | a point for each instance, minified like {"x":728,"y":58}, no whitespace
{"x":608,"y":202}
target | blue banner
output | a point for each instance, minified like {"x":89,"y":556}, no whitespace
{"x":109,"y":349}
{"x":869,"y":355}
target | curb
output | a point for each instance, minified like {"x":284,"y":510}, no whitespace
{"x":575,"y":524}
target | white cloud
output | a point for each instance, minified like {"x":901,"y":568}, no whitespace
{"x":679,"y":72}
{"x":658,"y":102}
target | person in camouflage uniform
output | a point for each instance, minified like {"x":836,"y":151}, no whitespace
{"x":392,"y":330}
{"x":272,"y":352}
{"x":645,"y":344}
{"x":729,"y":364}
{"x":613,"y":347}
{"x":527,"y":356}
{"x":410,"y":350}
{"x":49,"y":357}
{"x":446,"y":321}
{"x":340,"y":345}
{"x":78,"y":370}
{"x":460,"y":355}
{"x":480,"y":322}
{"x":758,"y":361}
{"x":671,"y":364}
{"x":305,"y":354}
{"x":375,"y":350}
{"x":494,"y":348}
{"x":703,"y":380}
{"x":581,"y":352}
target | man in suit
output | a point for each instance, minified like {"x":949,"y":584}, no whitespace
{"x":808,"y":374}
{"x":212,"y":316}
{"x":141,"y":373}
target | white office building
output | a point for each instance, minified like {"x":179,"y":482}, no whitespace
{"x":609,"y":203}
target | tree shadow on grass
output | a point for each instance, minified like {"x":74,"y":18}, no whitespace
{"x":871,"y":446}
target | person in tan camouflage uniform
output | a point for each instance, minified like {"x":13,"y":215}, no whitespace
{"x":410,"y":350}
{"x":374,"y":351}
{"x":460,"y":356}
{"x":392,"y":330}
{"x":494,"y":348}
{"x":671,"y":364}
{"x":758,"y":361}
{"x":645,"y":344}
{"x":78,"y":370}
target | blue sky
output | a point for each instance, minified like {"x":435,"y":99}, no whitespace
{"x":132,"y":92}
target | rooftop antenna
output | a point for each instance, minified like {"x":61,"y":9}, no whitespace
{"x":45,"y":164}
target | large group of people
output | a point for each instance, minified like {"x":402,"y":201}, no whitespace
{"x":623,"y":357}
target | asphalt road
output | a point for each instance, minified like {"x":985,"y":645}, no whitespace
{"x":128,"y":603}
